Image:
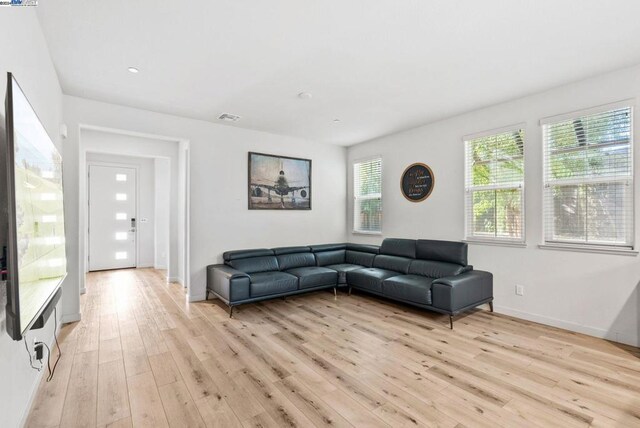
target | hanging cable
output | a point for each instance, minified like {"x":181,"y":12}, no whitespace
{"x":55,"y":336}
{"x":30,"y":356}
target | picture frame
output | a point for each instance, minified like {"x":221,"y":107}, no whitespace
{"x":278,"y":182}
{"x":417,"y":182}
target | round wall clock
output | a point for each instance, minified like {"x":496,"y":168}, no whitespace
{"x":417,"y":182}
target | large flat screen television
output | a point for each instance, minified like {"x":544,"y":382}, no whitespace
{"x":32,"y":215}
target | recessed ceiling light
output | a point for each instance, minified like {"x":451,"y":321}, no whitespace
{"x":133,"y":70}
{"x":336,"y":120}
{"x":305,"y":95}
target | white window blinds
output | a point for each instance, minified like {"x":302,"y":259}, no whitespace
{"x":588,"y":179}
{"x":367,"y":195}
{"x":495,"y":187}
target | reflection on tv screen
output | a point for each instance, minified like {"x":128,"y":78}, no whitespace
{"x":39,"y":210}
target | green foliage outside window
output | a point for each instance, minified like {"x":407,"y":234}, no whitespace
{"x":496,"y":165}
{"x":368,"y":191}
{"x":589,"y":169}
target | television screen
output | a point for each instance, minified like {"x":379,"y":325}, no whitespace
{"x":36,"y":259}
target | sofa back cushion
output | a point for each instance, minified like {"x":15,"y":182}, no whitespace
{"x":442,"y":251}
{"x":327,"y":247}
{"x":399,"y":247}
{"x":364,"y":248}
{"x":244,"y":254}
{"x":434,"y":269}
{"x":290,"y":250}
{"x":294,"y":260}
{"x":255,"y":264}
{"x":394,"y":263}
{"x":359,"y":258}
{"x":335,"y":257}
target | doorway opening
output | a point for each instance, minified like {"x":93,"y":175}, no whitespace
{"x":136,"y":208}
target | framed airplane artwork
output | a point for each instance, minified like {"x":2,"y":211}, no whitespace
{"x":279,"y":182}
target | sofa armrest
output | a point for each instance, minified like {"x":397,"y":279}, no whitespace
{"x":227,"y":283}
{"x":456,"y":293}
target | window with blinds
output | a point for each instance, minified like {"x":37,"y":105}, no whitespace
{"x":367,"y":196}
{"x":588,"y":179}
{"x":495,"y":187}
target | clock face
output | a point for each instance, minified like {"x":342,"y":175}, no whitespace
{"x":417,"y":182}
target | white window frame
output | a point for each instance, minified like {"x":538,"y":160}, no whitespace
{"x":367,"y":197}
{"x":629,"y":250}
{"x":488,"y":240}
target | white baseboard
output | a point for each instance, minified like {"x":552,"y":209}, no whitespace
{"x":160,"y":267}
{"x":578,"y":328}
{"x":71,"y":318}
{"x":175,"y":279}
{"x":198,"y":297}
{"x":144,"y":266}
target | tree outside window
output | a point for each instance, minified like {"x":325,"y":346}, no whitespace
{"x":367,"y":179}
{"x":495,"y":186}
{"x":589,"y":179}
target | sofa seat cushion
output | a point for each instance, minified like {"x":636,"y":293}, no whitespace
{"x":411,"y":288}
{"x":266,"y":283}
{"x":342,"y":269}
{"x":369,"y":278}
{"x":314,"y":276}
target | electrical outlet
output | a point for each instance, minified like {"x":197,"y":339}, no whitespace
{"x":519,"y":290}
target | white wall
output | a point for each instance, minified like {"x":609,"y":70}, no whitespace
{"x":146,"y":209}
{"x":24,"y":53}
{"x":162,"y":184}
{"x":218,"y":216}
{"x":592,"y":293}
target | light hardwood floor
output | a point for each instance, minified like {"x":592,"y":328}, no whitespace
{"x":141,"y":356}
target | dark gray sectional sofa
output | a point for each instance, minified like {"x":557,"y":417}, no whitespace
{"x":431,"y":274}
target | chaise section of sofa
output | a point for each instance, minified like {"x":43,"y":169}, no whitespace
{"x":431,"y":274}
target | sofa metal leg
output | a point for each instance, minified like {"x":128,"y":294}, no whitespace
{"x":349,"y":291}
{"x":491,"y":306}
{"x":230,"y":311}
{"x":451,"y":321}
{"x":335,"y":293}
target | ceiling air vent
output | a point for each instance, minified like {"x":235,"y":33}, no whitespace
{"x":228,"y":117}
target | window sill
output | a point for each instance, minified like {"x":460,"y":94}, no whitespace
{"x":499,"y":243}
{"x":588,"y":249}
{"x":363,"y":232}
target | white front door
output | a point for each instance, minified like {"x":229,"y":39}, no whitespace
{"x":112,"y":217}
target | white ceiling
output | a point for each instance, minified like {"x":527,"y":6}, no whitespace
{"x":380,"y":66}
